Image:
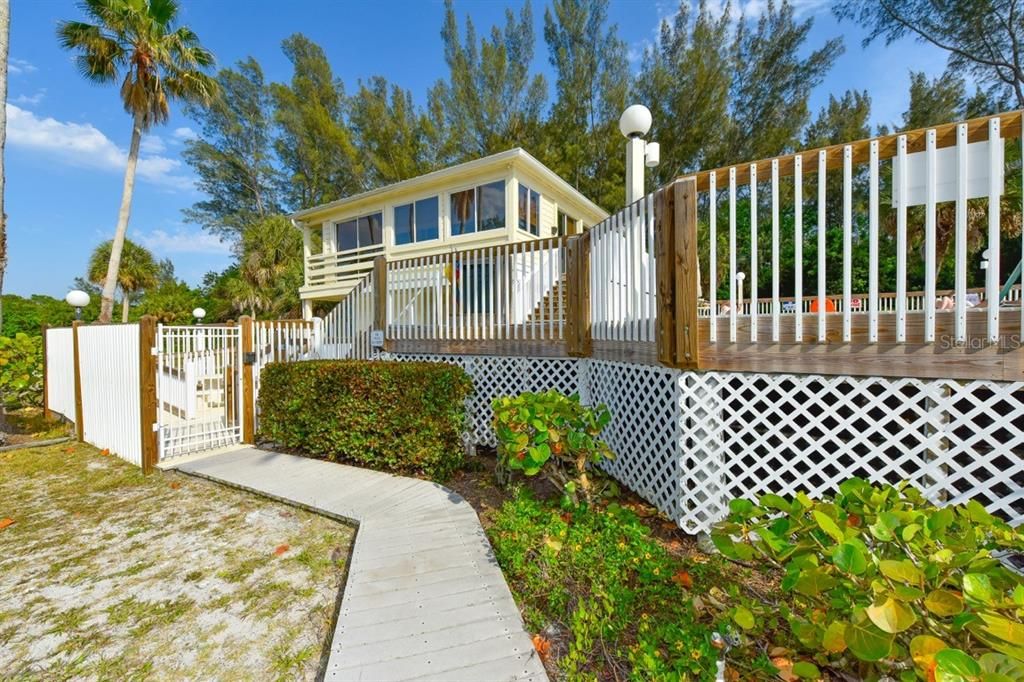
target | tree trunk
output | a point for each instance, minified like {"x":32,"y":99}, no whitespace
{"x":5,"y":31}
{"x":125,"y":301}
{"x":110,"y":283}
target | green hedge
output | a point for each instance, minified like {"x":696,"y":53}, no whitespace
{"x":405,"y":417}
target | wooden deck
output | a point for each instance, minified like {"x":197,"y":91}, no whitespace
{"x":425,"y":598}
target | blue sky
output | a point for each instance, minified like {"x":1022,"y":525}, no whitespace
{"x":67,"y":138}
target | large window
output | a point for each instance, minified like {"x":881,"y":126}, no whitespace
{"x":529,"y":210}
{"x":416,"y":222}
{"x":360,"y":232}
{"x":479,"y":208}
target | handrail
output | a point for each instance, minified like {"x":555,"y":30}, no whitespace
{"x":977,"y":130}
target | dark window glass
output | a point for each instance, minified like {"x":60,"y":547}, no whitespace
{"x":492,"y":205}
{"x":524,"y":206}
{"x":370,"y":230}
{"x":426,"y":219}
{"x":566,"y":224}
{"x":534,"y":213}
{"x":403,"y":224}
{"x":463,"y":212}
{"x":347,"y":238}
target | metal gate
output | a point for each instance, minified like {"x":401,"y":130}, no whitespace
{"x":198,"y":386}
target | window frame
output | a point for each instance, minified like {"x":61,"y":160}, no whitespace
{"x":415,"y":228}
{"x":355,"y":219}
{"x":475,"y":187}
{"x":525,"y":216}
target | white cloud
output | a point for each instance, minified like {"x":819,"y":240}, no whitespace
{"x":182,"y":240}
{"x":31,"y":100}
{"x":20,"y":66}
{"x":82,"y":144}
{"x":152,"y":144}
{"x":185,"y":133}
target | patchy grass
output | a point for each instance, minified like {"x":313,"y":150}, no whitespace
{"x":107,"y":574}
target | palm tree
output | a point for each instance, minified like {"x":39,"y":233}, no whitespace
{"x":270,"y":264}
{"x":5,"y":34}
{"x":138,"y":270}
{"x":158,"y":60}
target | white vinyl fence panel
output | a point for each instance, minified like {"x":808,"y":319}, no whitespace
{"x":109,"y":367}
{"x":60,"y":372}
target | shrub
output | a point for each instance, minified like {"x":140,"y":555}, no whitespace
{"x":879,"y":581}
{"x":21,"y":370}
{"x":553,"y":435}
{"x":614,"y":592}
{"x":405,"y":417}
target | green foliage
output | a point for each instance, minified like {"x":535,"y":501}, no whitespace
{"x":21,"y":371}
{"x":403,"y":417}
{"x":233,"y":155}
{"x":878,"y":578}
{"x":490,"y":102}
{"x":617,"y":590}
{"x":553,"y":435}
{"x":28,"y":315}
{"x":138,"y":271}
{"x":170,"y":303}
{"x":314,"y":145}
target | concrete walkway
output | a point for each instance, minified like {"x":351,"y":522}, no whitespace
{"x":425,"y":598}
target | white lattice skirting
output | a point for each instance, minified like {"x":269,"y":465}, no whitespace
{"x":689,"y":441}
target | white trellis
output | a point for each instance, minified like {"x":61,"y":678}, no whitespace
{"x":688,"y":442}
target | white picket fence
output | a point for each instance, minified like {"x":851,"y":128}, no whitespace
{"x":109,"y":371}
{"x":346,"y":329}
{"x":506,"y":291}
{"x":622,"y":275}
{"x":60,"y":372}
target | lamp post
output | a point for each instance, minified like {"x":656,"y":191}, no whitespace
{"x":77,"y":299}
{"x":634,"y":124}
{"x":199,"y":314}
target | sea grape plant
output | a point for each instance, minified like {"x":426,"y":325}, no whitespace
{"x":880,"y":581}
{"x":553,"y":435}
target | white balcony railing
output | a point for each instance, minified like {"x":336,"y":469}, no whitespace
{"x":342,"y":267}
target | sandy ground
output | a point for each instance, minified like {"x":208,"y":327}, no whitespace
{"x":106,"y":574}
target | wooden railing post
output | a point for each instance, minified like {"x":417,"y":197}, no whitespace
{"x":148,"y":399}
{"x":380,"y":296}
{"x":687,"y":285}
{"x":79,"y":422}
{"x":248,"y":388}
{"x":577,"y":279}
{"x":664,"y":255}
{"x":675,"y":237}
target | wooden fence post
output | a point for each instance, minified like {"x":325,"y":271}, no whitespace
{"x":577,"y":279}
{"x":664,"y":254}
{"x":380,"y":296}
{"x":248,"y":406}
{"x":148,"y":399}
{"x":685,"y":272}
{"x":79,"y":422}
{"x":47,"y":415}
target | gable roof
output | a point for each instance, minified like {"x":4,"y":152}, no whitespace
{"x":517,"y":157}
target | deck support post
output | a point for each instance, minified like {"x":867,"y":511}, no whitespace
{"x":675,"y":242}
{"x":380,"y":297}
{"x":148,"y":399}
{"x":248,"y":407}
{"x":578,"y":342}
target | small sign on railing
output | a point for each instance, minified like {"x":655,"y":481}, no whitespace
{"x":946,"y":169}
{"x":377,"y":338}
